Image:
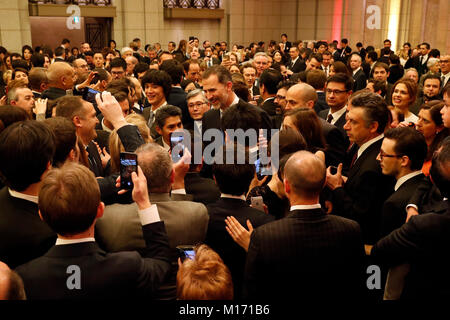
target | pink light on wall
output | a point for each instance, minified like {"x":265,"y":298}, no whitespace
{"x":337,"y":20}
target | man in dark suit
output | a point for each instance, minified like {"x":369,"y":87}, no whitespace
{"x":307,"y":255}
{"x":422,"y":243}
{"x":302,"y":95}
{"x":261,"y":63}
{"x":83,"y":116}
{"x":23,"y":236}
{"x":268,"y":82}
{"x":286,"y":44}
{"x":421,"y":62}
{"x":61,"y":77}
{"x":339,"y":89}
{"x":197,"y":106}
{"x":233,"y":181}
{"x":75,"y":267}
{"x":358,"y":74}
{"x":362,"y":195}
{"x":296,"y":64}
{"x":402,"y":154}
{"x":380,"y":72}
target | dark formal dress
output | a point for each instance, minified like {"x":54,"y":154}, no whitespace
{"x":23,"y":235}
{"x":122,"y":275}
{"x":308,"y":255}
{"x":219,"y":240}
{"x":362,"y":196}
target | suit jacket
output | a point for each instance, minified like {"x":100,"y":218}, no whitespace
{"x":422,"y":67}
{"x":23,"y":235}
{"x":203,"y":190}
{"x":422,"y":242}
{"x":287,"y":46}
{"x":360,"y":80}
{"x":337,"y":143}
{"x":103,"y":275}
{"x":220,"y":241}
{"x":307,"y":255}
{"x":146,"y":115}
{"x":177,"y":97}
{"x":393,"y":215}
{"x":362,"y":196}
{"x":298,"y":66}
{"x":53,"y":93}
{"x":339,"y":123}
{"x":270,"y":107}
{"x":321,"y":103}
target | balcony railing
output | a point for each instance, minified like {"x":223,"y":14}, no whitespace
{"x":76,"y":2}
{"x":198,"y":4}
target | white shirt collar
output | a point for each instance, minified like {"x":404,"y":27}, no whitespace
{"x":336,"y":115}
{"x":225,"y":195}
{"x":354,"y":72}
{"x":164,"y":104}
{"x":368,"y":144}
{"x":424,"y":58}
{"x":294,"y":61}
{"x":60,"y":241}
{"x":236,"y":100}
{"x":306,"y":206}
{"x":198,"y":124}
{"x":405,"y":178}
{"x":104,"y":127}
{"x":23,"y":196}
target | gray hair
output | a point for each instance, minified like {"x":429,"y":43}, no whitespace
{"x":432,"y":62}
{"x":157,"y":166}
{"x":195,"y":93}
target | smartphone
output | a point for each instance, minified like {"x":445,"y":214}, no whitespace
{"x":262,"y":170}
{"x":257,"y":203}
{"x":186,"y":252}
{"x":89,"y":95}
{"x":177,"y":145}
{"x":128,"y":164}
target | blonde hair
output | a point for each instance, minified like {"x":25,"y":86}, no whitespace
{"x":116,"y":146}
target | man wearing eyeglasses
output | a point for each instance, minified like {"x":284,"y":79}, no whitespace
{"x":197,"y":105}
{"x":444,"y":63}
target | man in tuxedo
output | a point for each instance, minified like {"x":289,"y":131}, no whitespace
{"x":84,"y":117}
{"x":360,"y":80}
{"x":338,"y":90}
{"x":422,"y":241}
{"x":75,"y":267}
{"x":296,"y":64}
{"x":249,"y":73}
{"x":344,"y":49}
{"x":334,"y":51}
{"x":402,"y":154}
{"x":197,"y":104}
{"x":26,"y":153}
{"x":61,"y":77}
{"x":261,"y":63}
{"x":177,"y":96}
{"x":444,"y":63}
{"x":286,"y":44}
{"x":309,"y":255}
{"x":421,"y":63}
{"x":326,"y":62}
{"x":233,"y":181}
{"x":360,"y":197}
{"x":268,"y":83}
{"x":302,"y":95}
{"x":380,"y":72}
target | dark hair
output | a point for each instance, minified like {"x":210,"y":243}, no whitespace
{"x":308,"y":124}
{"x":165,"y":112}
{"x":174,"y":69}
{"x":340,"y":67}
{"x":432,"y":76}
{"x":434,"y":53}
{"x":378,"y":85}
{"x":316,"y":56}
{"x":270,"y":79}
{"x":409,"y":142}
{"x":434,"y":107}
{"x":289,"y":141}
{"x":379,"y":64}
{"x":233,"y":178}
{"x":36,"y":77}
{"x":25,"y":47}
{"x":102,"y":74}
{"x":316,"y":79}
{"x":375,"y":108}
{"x":426,"y":44}
{"x":240,"y":116}
{"x":222,"y":73}
{"x":10,"y":115}
{"x":26,"y":148}
{"x":89,"y":53}
{"x":65,"y":40}
{"x":285,"y":84}
{"x":342,"y":78}
{"x":20,"y":64}
{"x":37,"y":60}
{"x":65,"y":138}
{"x":59,"y":51}
{"x":410,"y":85}
{"x":117,"y":63}
{"x":159,"y":78}
{"x":241,"y":90}
{"x":69,"y":107}
{"x":18,"y":70}
{"x":344,"y":41}
{"x":441,"y":161}
{"x":372,"y":55}
{"x":140,"y":67}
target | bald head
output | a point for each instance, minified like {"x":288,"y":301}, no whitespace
{"x":11,"y":285}
{"x":305,"y":174}
{"x":61,"y":75}
{"x":301,"y":95}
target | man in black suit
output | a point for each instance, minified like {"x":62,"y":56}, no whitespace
{"x":84,"y":117}
{"x":358,"y":73}
{"x":402,"y":154}
{"x":233,"y":181}
{"x":363,"y":193}
{"x":422,"y":243}
{"x":26,"y":153}
{"x":286,"y":44}
{"x":261,"y":63}
{"x":61,"y":77}
{"x":197,"y":106}
{"x":309,"y":254}
{"x":421,"y":63}
{"x":339,"y":89}
{"x":302,"y":95}
{"x":75,"y":267}
{"x":177,"y":96}
{"x":268,"y":82}
{"x":296,"y":64}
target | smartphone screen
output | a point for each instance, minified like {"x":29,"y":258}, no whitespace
{"x":186,"y":252}
{"x":262,"y":170}
{"x":89,"y":95}
{"x":128,"y":164}
{"x":177,"y":145}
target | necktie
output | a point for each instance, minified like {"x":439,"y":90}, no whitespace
{"x":151,"y":119}
{"x":330,"y":118}
{"x":443,"y":80}
{"x":421,"y":59}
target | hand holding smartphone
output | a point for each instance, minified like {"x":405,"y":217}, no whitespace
{"x":128,"y":164}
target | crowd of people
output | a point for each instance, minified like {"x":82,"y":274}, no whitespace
{"x":359,"y":171}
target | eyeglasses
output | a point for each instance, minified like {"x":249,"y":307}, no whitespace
{"x":385,"y":155}
{"x":116,"y":73}
{"x":444,"y":61}
{"x":198,"y":104}
{"x":336,"y":92}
